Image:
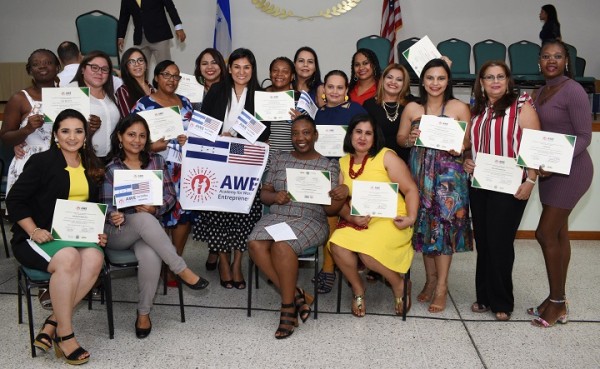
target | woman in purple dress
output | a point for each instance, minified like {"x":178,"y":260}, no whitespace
{"x":563,"y":107}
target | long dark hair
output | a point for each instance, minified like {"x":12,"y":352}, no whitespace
{"x":378,"y":139}
{"x":136,"y":91}
{"x":253,"y":84}
{"x":90,"y":161}
{"x":551,"y":13}
{"x":433,"y":63}
{"x":315,"y":81}
{"x":372,"y":58}
{"x":108,"y":87}
{"x":116,"y":148}
{"x":481,"y":98}
{"x":567,"y":72}
{"x":218,"y":58}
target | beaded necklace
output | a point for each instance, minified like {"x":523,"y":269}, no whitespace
{"x":354,"y":174}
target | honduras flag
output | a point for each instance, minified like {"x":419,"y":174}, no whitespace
{"x":222,"y":39}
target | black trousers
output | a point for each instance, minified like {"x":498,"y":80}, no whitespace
{"x":496,"y":217}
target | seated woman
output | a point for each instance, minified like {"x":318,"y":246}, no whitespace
{"x":382,"y":244}
{"x":138,"y":227}
{"x":279,"y":260}
{"x":67,"y":170}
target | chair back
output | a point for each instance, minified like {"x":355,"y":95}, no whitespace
{"x":488,"y":50}
{"x":459,"y":52}
{"x":379,"y":45}
{"x":97,"y":30}
{"x":580,"y":66}
{"x":573,"y":60}
{"x":523,"y":56}
{"x":401,"y":47}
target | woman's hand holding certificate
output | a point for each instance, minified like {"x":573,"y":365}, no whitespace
{"x":377,"y":199}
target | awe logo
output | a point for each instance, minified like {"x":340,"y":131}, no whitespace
{"x":200,"y":184}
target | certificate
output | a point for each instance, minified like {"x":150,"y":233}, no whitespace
{"x":248,"y":126}
{"x":190,"y":88}
{"x":331,"y":140}
{"x":57,"y":99}
{"x":163,"y":122}
{"x":551,"y":151}
{"x":204,"y":126}
{"x":137,"y":187}
{"x":420,"y":53}
{"x":78,"y":221}
{"x":497,"y":173}
{"x":441,"y":133}
{"x":311,"y":186}
{"x":306,"y":103}
{"x":377,"y":199}
{"x":273,"y":106}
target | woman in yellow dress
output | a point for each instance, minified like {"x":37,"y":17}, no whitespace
{"x":382,"y":244}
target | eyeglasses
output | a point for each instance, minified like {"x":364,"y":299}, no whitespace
{"x":96,"y":68}
{"x":169,"y":76}
{"x":491,"y":78}
{"x":136,"y":61}
{"x":555,"y":57}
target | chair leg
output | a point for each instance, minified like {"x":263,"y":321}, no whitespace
{"x":20,"y":296}
{"x":250,"y":272}
{"x":339,"y":296}
{"x":30,"y":316}
{"x":165,"y":275}
{"x":181,"y":306}
{"x":315,"y":286}
{"x":4,"y":234}
{"x":109,"y":305}
{"x":405,"y":295}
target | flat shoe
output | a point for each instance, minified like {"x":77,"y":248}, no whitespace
{"x":142,"y":332}
{"x":200,"y":285}
{"x":502,"y":316}
{"x":479,"y":308}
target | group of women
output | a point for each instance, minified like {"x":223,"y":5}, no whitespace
{"x":80,"y":154}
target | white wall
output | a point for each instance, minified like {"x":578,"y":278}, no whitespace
{"x":29,"y":24}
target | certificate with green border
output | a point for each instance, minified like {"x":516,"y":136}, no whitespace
{"x":377,"y":199}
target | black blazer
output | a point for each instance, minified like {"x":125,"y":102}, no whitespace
{"x":44,"y":179}
{"x":215,"y":105}
{"x":150,"y":20}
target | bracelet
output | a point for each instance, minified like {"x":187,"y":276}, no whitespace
{"x":32,"y":233}
{"x":530,"y":181}
{"x":407,"y":144}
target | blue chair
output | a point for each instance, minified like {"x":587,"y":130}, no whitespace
{"x":488,"y":50}
{"x":97,"y":30}
{"x":402,"y":46}
{"x":524,"y":56}
{"x":459,"y":52}
{"x":379,"y":45}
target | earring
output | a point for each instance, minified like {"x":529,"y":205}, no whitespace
{"x":120,"y":145}
{"x":57,"y":144}
{"x":346,"y":98}
{"x":567,"y":67}
{"x":539,"y":68}
{"x":355,"y":78}
{"x":324,"y":98}
{"x":482,"y":90}
{"x":84,"y":145}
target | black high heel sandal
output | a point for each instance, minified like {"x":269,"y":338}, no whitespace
{"x":42,"y":345}
{"x":73,"y":357}
{"x":286,"y":332}
{"x":302,"y":305}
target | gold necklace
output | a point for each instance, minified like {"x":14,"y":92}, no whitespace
{"x":389,"y":116}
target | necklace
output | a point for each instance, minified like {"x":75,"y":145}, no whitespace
{"x":389,"y":115}
{"x":354,"y":174}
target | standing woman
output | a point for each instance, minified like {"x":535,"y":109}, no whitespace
{"x":67,"y":170}
{"x":336,"y":111}
{"x":443,"y":226}
{"x":226,"y":231}
{"x":135,"y":80}
{"x":563,"y":107}
{"x":386,"y":108}
{"x":365,"y":76}
{"x":166,"y":79}
{"x":551,"y":28}
{"x":94,"y":72}
{"x":308,"y":74}
{"x":281,"y":73}
{"x":499,"y":117}
{"x":23,"y":120}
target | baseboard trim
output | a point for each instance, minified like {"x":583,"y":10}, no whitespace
{"x":573,"y":235}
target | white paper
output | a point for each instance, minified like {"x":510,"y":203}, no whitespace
{"x":420,"y":54}
{"x":190,"y":88}
{"x":331,"y":140}
{"x":310,"y":186}
{"x":377,"y":199}
{"x":163,"y":122}
{"x":307,"y":104}
{"x":78,"y":220}
{"x":204,"y":126}
{"x":551,"y":151}
{"x":497,"y":173}
{"x":441,"y":133}
{"x":273,"y":106}
{"x":281,"y":232}
{"x":247,"y":126}
{"x":137,"y":187}
{"x":57,"y":99}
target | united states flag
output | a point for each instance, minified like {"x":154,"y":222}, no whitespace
{"x":246,"y":154}
{"x":248,"y":120}
{"x":140,"y":188}
{"x":391,"y":22}
{"x":205,"y":120}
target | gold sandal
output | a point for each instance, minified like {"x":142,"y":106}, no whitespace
{"x":358,"y":301}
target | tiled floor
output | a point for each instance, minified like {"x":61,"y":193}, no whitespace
{"x":218,"y":333}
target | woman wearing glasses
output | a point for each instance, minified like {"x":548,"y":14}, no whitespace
{"x":94,"y":72}
{"x":498,"y":119}
{"x":135,"y":80}
{"x":563,"y":107}
{"x":166,"y":79}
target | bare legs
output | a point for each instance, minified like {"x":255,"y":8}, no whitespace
{"x":552,"y":234}
{"x":426,"y":293}
{"x":74,"y":272}
{"x":437,"y":268}
{"x":231,"y":275}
